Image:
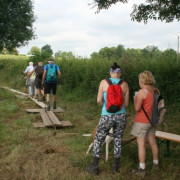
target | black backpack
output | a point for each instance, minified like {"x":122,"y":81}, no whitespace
{"x":39,"y":72}
{"x":158,"y":110}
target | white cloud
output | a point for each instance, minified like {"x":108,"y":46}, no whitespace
{"x":71,"y":25}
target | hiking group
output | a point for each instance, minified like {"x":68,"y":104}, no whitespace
{"x":41,"y":80}
{"x":113,"y":96}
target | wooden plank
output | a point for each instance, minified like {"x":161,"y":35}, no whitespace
{"x":58,"y":110}
{"x":66,"y":123}
{"x":41,"y":104}
{"x":38,"y":125}
{"x":168,"y":136}
{"x":34,"y":110}
{"x":13,"y":90}
{"x":46,"y":119}
{"x":38,"y":110}
{"x":54,"y":119}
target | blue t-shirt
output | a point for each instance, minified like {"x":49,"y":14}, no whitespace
{"x":46,"y":68}
{"x":104,"y":112}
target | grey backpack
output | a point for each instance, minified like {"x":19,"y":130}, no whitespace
{"x":158,"y":110}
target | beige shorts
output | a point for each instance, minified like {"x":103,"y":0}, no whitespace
{"x":142,"y":130}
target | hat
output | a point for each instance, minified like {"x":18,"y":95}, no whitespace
{"x":31,"y":63}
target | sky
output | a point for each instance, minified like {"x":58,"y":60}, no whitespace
{"x":73,"y":25}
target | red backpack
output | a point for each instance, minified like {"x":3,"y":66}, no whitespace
{"x":114,"y":96}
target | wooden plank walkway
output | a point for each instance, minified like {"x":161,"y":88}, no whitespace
{"x":41,"y":104}
{"x":58,"y":110}
{"x":55,"y":121}
{"x":47,"y":121}
{"x":13,"y":90}
{"x":48,"y":117}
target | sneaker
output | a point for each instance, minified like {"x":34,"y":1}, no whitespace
{"x":39,"y":100}
{"x":140,"y":172}
{"x":155,"y":167}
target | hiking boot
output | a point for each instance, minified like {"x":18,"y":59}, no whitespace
{"x":93,"y":168}
{"x":48,"y":108}
{"x":54,"y":105}
{"x":139,"y":172}
{"x":155,"y":167}
{"x":115,"y":168}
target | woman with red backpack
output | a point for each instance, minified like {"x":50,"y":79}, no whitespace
{"x":113,"y":95}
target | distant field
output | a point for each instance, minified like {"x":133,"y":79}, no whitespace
{"x":13,"y":57}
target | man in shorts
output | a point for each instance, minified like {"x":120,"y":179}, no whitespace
{"x":39,"y":70}
{"x":51,"y":77}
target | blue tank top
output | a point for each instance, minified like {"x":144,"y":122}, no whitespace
{"x":104,"y":112}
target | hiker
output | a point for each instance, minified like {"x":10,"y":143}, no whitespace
{"x":31,"y":83}
{"x":38,"y":81}
{"x":51,"y":77}
{"x":27,"y":70}
{"x":39,"y":70}
{"x":117,"y":120}
{"x":142,"y":129}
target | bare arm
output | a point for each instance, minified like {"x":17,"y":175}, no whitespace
{"x":100,"y":94}
{"x":59,"y":75}
{"x":126,"y":92}
{"x":138,"y":99}
{"x":29,"y":74}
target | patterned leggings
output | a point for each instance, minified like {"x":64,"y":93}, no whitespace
{"x":118,"y":122}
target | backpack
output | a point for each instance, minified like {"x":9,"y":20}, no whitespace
{"x":51,"y":73}
{"x":114,"y":96}
{"x":39,"y":72}
{"x":158,"y":110}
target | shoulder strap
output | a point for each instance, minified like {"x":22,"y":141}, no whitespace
{"x":108,"y":81}
{"x":150,"y":90}
{"x":145,"y":113}
{"x":120,"y":82}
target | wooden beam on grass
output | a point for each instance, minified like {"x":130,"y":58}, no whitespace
{"x":41,"y":104}
{"x":46,"y":119}
{"x":54,"y":119}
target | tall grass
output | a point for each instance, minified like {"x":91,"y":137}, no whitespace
{"x":81,"y":78}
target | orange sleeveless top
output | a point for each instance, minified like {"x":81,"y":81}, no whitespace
{"x":147,"y":104}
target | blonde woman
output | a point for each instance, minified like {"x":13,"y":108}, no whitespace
{"x":108,"y":120}
{"x":142,"y":128}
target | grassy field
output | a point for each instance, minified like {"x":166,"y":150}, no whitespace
{"x":28,"y":153}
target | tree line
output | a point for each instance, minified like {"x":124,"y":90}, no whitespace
{"x":17,"y":18}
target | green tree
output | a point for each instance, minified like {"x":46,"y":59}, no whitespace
{"x":47,"y":49}
{"x":169,"y":55}
{"x":65,"y":55}
{"x":58,"y":54}
{"x":34,"y":50}
{"x":106,"y":53}
{"x":16,"y":23}
{"x":163,"y":10}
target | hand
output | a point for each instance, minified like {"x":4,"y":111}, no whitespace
{"x":25,"y":78}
